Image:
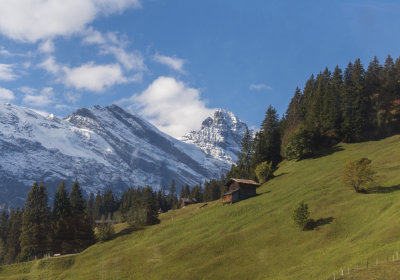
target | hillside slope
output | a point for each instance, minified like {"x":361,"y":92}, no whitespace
{"x":256,"y":238}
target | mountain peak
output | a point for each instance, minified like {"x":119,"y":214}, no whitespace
{"x":220,"y":136}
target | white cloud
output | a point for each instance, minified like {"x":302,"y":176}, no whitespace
{"x":88,"y":76}
{"x":6,"y":95}
{"x":110,"y":44}
{"x":171,"y":106}
{"x":33,"y":20}
{"x":260,"y":87}
{"x":133,"y":60}
{"x":27,"y":90}
{"x":43,"y":99}
{"x":46,"y":46}
{"x":93,"y":77}
{"x":172,"y":62}
{"x":7,"y":72}
{"x":50,"y":65}
{"x":4,"y":52}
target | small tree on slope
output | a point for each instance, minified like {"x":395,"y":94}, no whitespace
{"x":358,"y":173}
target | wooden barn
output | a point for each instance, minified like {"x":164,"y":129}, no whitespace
{"x":239,"y":189}
{"x":186,"y":201}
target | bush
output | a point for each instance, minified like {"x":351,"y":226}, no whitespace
{"x":264,"y":172}
{"x":300,"y":144}
{"x":301,"y":214}
{"x":104,"y":232}
{"x":357,"y":174}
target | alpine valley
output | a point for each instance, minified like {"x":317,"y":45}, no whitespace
{"x":108,"y":148}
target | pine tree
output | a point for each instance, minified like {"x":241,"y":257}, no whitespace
{"x":81,"y":226}
{"x":62,"y":231}
{"x":35,"y":224}
{"x":90,"y":208}
{"x":244,"y":157}
{"x":267,"y":142}
{"x":12,"y":246}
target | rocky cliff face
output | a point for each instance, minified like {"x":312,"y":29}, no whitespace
{"x":219,"y":137}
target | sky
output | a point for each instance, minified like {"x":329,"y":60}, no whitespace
{"x":174,"y":61}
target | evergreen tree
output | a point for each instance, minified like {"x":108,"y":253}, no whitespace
{"x":35,"y":224}
{"x":62,"y":231}
{"x":97,"y":206}
{"x":267,"y":142}
{"x":90,"y":208}
{"x":172,"y":200}
{"x":80,"y":224}
{"x":244,"y":157}
{"x":12,"y":246}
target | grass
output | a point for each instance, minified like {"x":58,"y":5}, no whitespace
{"x":256,"y":238}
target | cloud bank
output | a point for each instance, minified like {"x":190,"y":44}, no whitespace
{"x":171,"y":106}
{"x":33,"y":20}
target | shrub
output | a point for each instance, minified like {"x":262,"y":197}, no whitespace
{"x":300,"y":144}
{"x":357,"y":174}
{"x":264,"y":172}
{"x":104,"y":232}
{"x":301,"y":214}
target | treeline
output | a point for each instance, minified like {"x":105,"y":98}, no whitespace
{"x":68,"y":226}
{"x":37,"y":230}
{"x":353,"y":105}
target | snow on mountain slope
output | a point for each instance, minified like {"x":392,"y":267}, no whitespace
{"x":104,"y":147}
{"x":219,"y":137}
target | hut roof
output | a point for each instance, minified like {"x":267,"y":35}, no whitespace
{"x":243,"y":181}
{"x":231,"y":192}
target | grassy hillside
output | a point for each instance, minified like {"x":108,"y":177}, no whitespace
{"x":256,"y":238}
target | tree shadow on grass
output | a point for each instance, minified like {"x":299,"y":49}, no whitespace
{"x":279,"y":175}
{"x":263,"y":193}
{"x":127,"y":231}
{"x":381,"y":189}
{"x":327,"y":151}
{"x":314,"y":224}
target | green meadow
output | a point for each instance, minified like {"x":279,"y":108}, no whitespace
{"x":256,"y":238}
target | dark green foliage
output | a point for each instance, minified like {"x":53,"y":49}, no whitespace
{"x":267,"y":142}
{"x":144,"y":210}
{"x":172,"y":199}
{"x":300,"y":215}
{"x":264,"y":172}
{"x":185,"y":192}
{"x":35,"y":235}
{"x":104,"y":232}
{"x":356,"y":106}
{"x":81,"y":227}
{"x":62,"y":230}
{"x":12,"y":244}
{"x":243,"y":166}
{"x":300,"y":144}
{"x":357,"y":174}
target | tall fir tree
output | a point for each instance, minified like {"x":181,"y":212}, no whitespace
{"x":81,"y":226}
{"x":267,"y":143}
{"x":62,"y":241}
{"x":12,"y":246}
{"x":35,"y":235}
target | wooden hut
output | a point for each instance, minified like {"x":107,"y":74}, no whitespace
{"x":239,"y":189}
{"x":186,"y":201}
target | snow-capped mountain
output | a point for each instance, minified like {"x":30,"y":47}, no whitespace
{"x":105,"y":147}
{"x":219,"y":137}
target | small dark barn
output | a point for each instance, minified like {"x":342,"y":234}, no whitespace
{"x":186,"y":201}
{"x":239,"y":189}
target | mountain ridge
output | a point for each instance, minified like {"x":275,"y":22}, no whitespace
{"x":104,"y":147}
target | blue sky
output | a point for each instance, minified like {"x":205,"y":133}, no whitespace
{"x":174,"y":61}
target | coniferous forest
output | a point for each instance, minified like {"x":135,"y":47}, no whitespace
{"x":357,"y":104}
